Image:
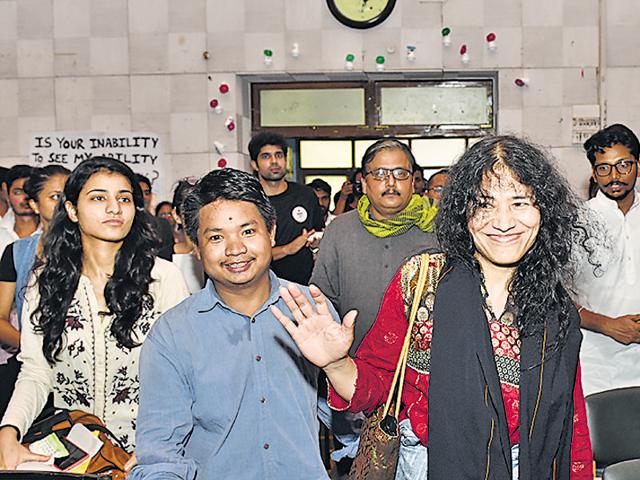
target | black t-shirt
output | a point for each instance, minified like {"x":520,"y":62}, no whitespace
{"x":7,"y":267}
{"x":297,"y":208}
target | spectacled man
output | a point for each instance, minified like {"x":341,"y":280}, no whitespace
{"x":436,"y":184}
{"x":608,"y":299}
{"x":362,"y":249}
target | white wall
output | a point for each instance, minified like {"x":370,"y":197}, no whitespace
{"x":119,"y":65}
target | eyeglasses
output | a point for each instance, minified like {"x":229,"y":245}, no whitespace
{"x":381,"y":174}
{"x":623,"y":167}
{"x":437,"y":188}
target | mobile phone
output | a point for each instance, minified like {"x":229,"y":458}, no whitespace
{"x":76,"y":456}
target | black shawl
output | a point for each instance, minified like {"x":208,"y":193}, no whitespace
{"x":468,"y":432}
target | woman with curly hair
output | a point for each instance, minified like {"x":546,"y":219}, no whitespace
{"x":492,"y":383}
{"x":98,"y":290}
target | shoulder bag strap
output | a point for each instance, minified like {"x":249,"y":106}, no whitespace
{"x":402,"y":361}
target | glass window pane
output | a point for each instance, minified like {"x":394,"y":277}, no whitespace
{"x":312,"y":107}
{"x":451,"y":104}
{"x":335,"y":181}
{"x":437,"y":152}
{"x":325,"y":154}
{"x":359,"y":148}
{"x":362,"y":145}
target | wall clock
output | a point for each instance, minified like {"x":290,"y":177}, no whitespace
{"x":361,"y":13}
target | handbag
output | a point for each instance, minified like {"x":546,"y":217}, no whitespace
{"x":107,"y":463}
{"x":377,"y":457}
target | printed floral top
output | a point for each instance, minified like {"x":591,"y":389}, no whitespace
{"x":94,"y":373}
{"x":377,"y":357}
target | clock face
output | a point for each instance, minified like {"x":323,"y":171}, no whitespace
{"x":361,"y":13}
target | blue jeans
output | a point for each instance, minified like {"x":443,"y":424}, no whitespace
{"x":413,"y":461}
{"x":345,"y":426}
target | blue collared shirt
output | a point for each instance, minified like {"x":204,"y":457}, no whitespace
{"x":226,"y":396}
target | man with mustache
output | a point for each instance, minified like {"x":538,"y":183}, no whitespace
{"x":607,"y":297}
{"x":298,"y":212}
{"x":362,"y":249}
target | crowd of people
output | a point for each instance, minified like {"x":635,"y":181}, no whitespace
{"x":203,"y":330}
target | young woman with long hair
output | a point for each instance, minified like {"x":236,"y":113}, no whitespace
{"x":99,"y":289}
{"x":44,"y":189}
{"x":492,"y":382}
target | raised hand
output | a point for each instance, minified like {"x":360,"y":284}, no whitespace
{"x":346,"y":189}
{"x":319,"y":337}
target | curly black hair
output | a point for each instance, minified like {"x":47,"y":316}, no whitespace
{"x":536,"y":287}
{"x":126,"y":292}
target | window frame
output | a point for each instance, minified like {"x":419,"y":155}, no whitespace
{"x":373,"y":128}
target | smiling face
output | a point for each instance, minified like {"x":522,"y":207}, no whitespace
{"x":616,"y":186}
{"x":105,"y":209}
{"x":234,"y":244}
{"x":388,"y":197}
{"x":505,"y":225}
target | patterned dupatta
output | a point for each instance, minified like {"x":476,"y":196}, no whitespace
{"x":468,"y":431}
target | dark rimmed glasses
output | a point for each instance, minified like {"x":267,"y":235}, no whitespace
{"x":623,"y":167}
{"x":381,"y":174}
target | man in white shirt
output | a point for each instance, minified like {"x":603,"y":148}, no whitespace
{"x":608,"y":296}
{"x":25,"y":221}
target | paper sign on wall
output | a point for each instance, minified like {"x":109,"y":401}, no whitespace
{"x":142,"y":151}
{"x":586,"y":122}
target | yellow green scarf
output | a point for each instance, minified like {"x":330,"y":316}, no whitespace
{"x":419,"y":212}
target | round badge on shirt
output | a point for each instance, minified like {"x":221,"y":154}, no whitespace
{"x":299,"y":214}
